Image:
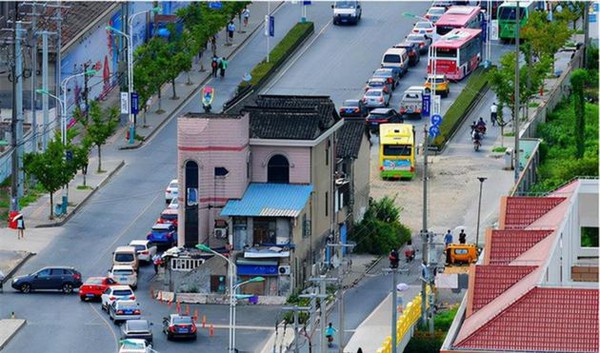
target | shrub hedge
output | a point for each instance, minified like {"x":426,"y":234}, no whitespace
{"x":279,"y":54}
{"x":455,"y":114}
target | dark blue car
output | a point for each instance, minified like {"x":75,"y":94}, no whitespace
{"x":163,"y":234}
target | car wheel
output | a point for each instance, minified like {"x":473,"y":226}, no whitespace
{"x":25,"y":288}
{"x":67,"y":288}
{"x":103,"y":307}
{"x":81,"y":298}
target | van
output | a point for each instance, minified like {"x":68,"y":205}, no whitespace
{"x":126,"y":255}
{"x":411,"y":103}
{"x":346,"y":12}
{"x":396,"y":58}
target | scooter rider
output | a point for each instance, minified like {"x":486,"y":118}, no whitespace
{"x":476,"y":135}
{"x":480,"y":126}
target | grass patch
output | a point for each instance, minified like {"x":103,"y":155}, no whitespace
{"x":478,"y":80}
{"x":509,"y":134}
{"x":84,"y":187}
{"x":534,"y":105}
{"x":279,"y":53}
{"x":499,"y":149}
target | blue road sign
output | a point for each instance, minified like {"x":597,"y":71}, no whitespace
{"x":271,"y":26}
{"x":135,"y":103}
{"x":434,"y":131}
{"x":217,"y":5}
{"x":426,"y":103}
{"x":595,"y":6}
{"x":436,"y":120}
{"x":592,"y":18}
{"x":306,"y":2}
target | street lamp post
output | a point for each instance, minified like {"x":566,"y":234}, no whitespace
{"x":481,"y":180}
{"x":233,"y":306}
{"x":231,"y":270}
{"x":63,"y":124}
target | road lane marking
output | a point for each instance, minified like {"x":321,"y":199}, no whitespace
{"x":110,"y":327}
{"x":241,"y":327}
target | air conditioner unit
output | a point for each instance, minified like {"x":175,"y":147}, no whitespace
{"x":221,"y":233}
{"x":284,"y":270}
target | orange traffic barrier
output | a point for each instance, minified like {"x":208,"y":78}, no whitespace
{"x":204,"y":321}
{"x":195,"y":315}
{"x":159,"y":297}
{"x":211,"y":331}
{"x":170,"y":303}
{"x":187,"y":309}
{"x":178,"y":307}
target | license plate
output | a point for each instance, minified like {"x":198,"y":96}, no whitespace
{"x":89,"y":295}
{"x":128,"y":312}
{"x":183,"y":330}
{"x":375,"y":123}
{"x":123,"y":279}
{"x":349,"y":110}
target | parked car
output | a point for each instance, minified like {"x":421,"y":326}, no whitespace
{"x":139,"y":328}
{"x":382,"y":116}
{"x":124,"y":274}
{"x":434,"y":13}
{"x":422,"y":40}
{"x":414,"y":55}
{"x":177,"y":326}
{"x":93,"y":287}
{"x":353,"y":108}
{"x":135,"y":345}
{"x":397,"y":59}
{"x":174,"y":204}
{"x":113,"y":293}
{"x":122,"y":310}
{"x":442,"y":86}
{"x":391,"y":75}
{"x":411,"y":103}
{"x":346,"y":12}
{"x":57,"y":278}
{"x":163,"y":234}
{"x":376,"y":98}
{"x":168,"y":216}
{"x":172,"y":190}
{"x":144,"y":248}
{"x":126,"y":255}
{"x":424,"y":27}
{"x":379,"y":83}
{"x":444,"y":4}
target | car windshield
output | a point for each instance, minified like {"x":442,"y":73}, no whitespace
{"x":123,"y":257}
{"x":423,"y":25}
{"x":376,"y":83}
{"x":411,"y":96}
{"x":436,"y":11}
{"x":160,"y":230}
{"x":415,"y":38}
{"x":345,"y":4}
{"x":140,"y":247}
{"x":179,"y":320}
{"x":169,"y":216}
{"x":373,"y":93}
{"x":173,"y":185}
{"x":94,"y":281}
{"x":123,"y":272}
{"x":122,"y":292}
{"x":351,"y":103}
{"x":376,"y":116}
{"x":133,"y":344}
{"x":135,"y":325}
{"x":391,"y":58}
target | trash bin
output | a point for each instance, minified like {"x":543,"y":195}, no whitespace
{"x":509,"y":159}
{"x":253,"y":299}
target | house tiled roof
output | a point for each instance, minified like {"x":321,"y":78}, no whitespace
{"x":522,"y":211}
{"x":269,"y":200}
{"x":492,"y":280}
{"x":275,"y":123}
{"x":322,"y":104}
{"x":542,"y":320}
{"x":507,"y":245}
{"x":350,"y":138}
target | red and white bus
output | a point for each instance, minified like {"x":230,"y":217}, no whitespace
{"x":459,"y":17}
{"x":457,"y":53}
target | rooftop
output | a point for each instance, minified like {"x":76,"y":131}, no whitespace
{"x":350,"y":138}
{"x":269,"y":200}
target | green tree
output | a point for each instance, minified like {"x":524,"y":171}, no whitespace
{"x":544,"y":38}
{"x":51,"y":168}
{"x":101,"y":126}
{"x":571,"y":12}
{"x":148,"y":76}
{"x":579,"y":78}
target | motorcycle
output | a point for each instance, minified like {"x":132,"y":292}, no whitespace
{"x":208,"y":94}
{"x":480,"y":129}
{"x":476,"y":144}
{"x":409,"y":254}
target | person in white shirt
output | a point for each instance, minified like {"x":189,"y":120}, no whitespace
{"x":494,"y":113}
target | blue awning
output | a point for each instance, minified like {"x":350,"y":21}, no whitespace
{"x":269,"y":200}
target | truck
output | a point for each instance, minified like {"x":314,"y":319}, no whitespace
{"x":411,"y":103}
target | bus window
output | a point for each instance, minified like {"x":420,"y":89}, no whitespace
{"x":445,"y":52}
{"x":397,"y":150}
{"x":510,"y":13}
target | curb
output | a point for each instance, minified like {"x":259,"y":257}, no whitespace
{"x":193,"y":92}
{"x":3,"y":344}
{"x":16,"y":268}
{"x":375,"y":263}
{"x":85,"y":199}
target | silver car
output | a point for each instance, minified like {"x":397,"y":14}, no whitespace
{"x":376,"y":98}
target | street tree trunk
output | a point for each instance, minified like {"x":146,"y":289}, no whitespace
{"x":174,"y":92}
{"x":99,"y":158}
{"x":51,"y":205}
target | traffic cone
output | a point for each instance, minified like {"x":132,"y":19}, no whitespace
{"x":178,"y":307}
{"x":170,"y":303}
{"x":195,"y":315}
{"x":204,"y":321}
{"x":159,"y":297}
{"x":187,"y":309}
{"x":211,"y":330}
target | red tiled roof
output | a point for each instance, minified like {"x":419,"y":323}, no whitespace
{"x":507,"y":245}
{"x":522,"y":211}
{"x":543,"y":320}
{"x":493,"y":280}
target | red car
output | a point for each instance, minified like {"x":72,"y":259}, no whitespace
{"x":94,"y":287}
{"x":169,"y":215}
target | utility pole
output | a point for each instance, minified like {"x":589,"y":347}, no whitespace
{"x":45,"y":106}
{"x":322,"y":281}
{"x":424,"y":233}
{"x":586,"y":32}
{"x":340,"y":293}
{"x":517,"y":103}
{"x":34,"y":53}
{"x":394,"y":334}
{"x":16,"y":75}
{"x":58,"y":63}
{"x":296,"y":309}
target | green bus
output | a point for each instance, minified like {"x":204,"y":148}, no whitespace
{"x":507,"y":13}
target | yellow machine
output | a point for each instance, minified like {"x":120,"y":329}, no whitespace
{"x":461,"y":254}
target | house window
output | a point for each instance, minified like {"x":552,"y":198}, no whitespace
{"x":327,"y":152}
{"x":249,"y":166}
{"x":326,"y":204}
{"x":265,"y":231}
{"x":278,"y":170}
{"x":589,"y":237}
{"x":305,"y":226}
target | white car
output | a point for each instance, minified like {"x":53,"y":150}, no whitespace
{"x":144,"y":249}
{"x":124,"y":274}
{"x":174,"y":204}
{"x":113,"y":293}
{"x":135,"y":345}
{"x":435,"y":13}
{"x":172,"y":190}
{"x":424,"y":27}
{"x":122,"y":310}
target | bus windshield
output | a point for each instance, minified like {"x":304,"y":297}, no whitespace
{"x":345,"y":4}
{"x":397,"y":150}
{"x":510,"y":13}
